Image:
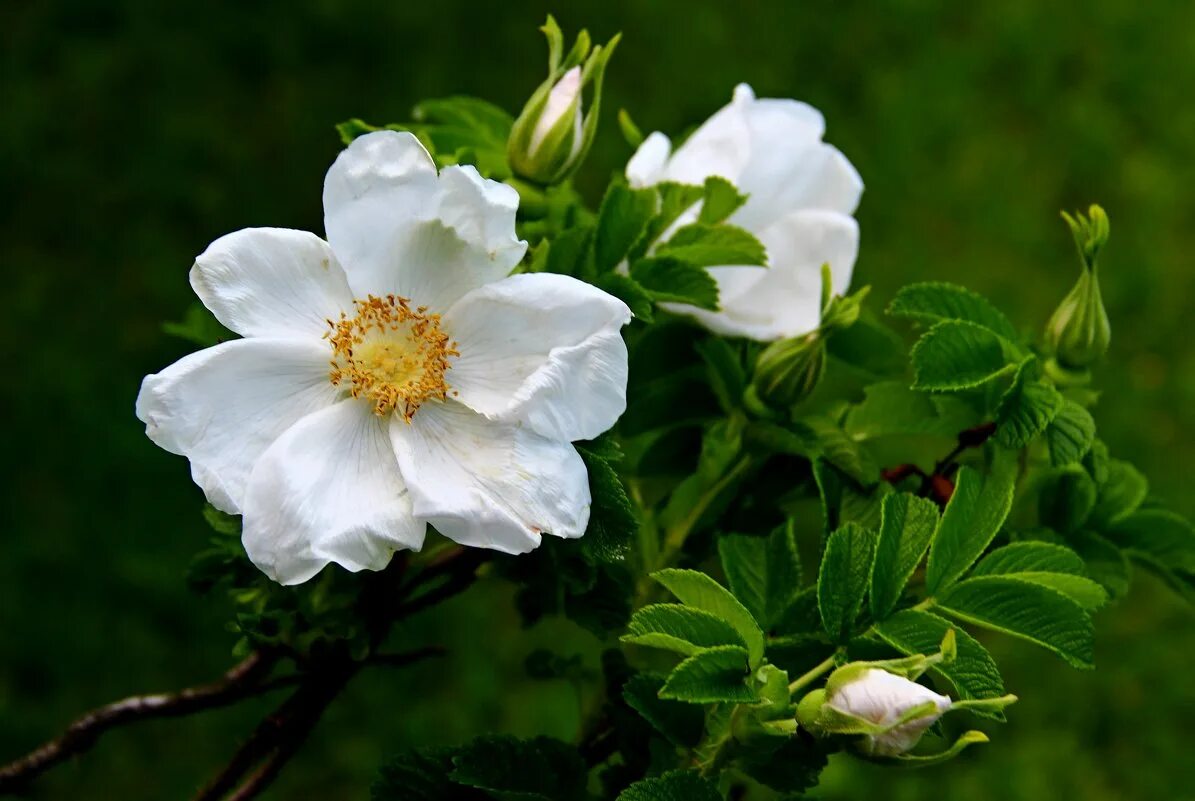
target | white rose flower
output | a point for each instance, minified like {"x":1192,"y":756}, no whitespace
{"x":883,"y":698}
{"x":392,"y":376}
{"x":801,"y":195}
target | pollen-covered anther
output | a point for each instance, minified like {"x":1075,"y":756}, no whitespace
{"x":391,"y":354}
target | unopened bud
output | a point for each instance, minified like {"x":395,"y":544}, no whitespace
{"x":788,"y":371}
{"x":890,"y":711}
{"x":551,"y":136}
{"x":1079,"y":332}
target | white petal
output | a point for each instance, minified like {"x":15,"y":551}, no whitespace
{"x":544,"y":349}
{"x":399,"y":228}
{"x":882,"y":697}
{"x":490,"y":484}
{"x":272,"y":282}
{"x":378,"y":187}
{"x":646,"y":167}
{"x":783,"y":300}
{"x":223,"y":406}
{"x":721,"y":146}
{"x":328,"y":490}
{"x":816,"y":176}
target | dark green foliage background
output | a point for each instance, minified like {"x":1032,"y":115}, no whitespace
{"x":136,"y":132}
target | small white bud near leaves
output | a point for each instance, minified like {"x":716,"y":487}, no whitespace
{"x":887,"y":700}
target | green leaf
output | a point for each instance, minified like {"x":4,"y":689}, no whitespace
{"x":679,"y":722}
{"x":1030,"y":611}
{"x":568,"y":253}
{"x":422,"y":775}
{"x":891,"y":408}
{"x":907,"y":525}
{"x":1070,"y":434}
{"x":1046,"y":564}
{"x":630,"y":292}
{"x":869,"y":347}
{"x":727,"y":377}
{"x":702,"y":592}
{"x":1030,"y":557}
{"x":670,"y":280}
{"x":1120,"y":495}
{"x":764,"y":572}
{"x":221,"y":522}
{"x":612,"y":521}
{"x":678,"y":628}
{"x":1066,"y":499}
{"x":973,"y":517}
{"x":956,"y":355}
{"x":1161,"y":535}
{"x":714,"y":245}
{"x":1105,"y":563}
{"x":713,"y":676}
{"x":680,"y":785}
{"x":933,"y":302}
{"x":792,"y":768}
{"x":675,"y":200}
{"x":518,"y":770}
{"x":973,"y":672}
{"x":826,"y":439}
{"x":720,"y":200}
{"x":622,"y":218}
{"x":843,"y":577}
{"x":1026,"y":409}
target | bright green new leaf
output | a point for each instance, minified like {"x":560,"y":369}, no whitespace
{"x":906,"y":526}
{"x":675,"y":200}
{"x":698,"y":590}
{"x":713,"y":676}
{"x":956,"y":355}
{"x":630,"y":292}
{"x":1070,"y":434}
{"x":842,"y":580}
{"x":678,"y":628}
{"x":972,"y":672}
{"x":1047,"y":564}
{"x":680,"y":785}
{"x":1026,"y":409}
{"x":714,"y":245}
{"x":622,"y":218}
{"x":720,"y":200}
{"x":932,"y":302}
{"x":671,"y":280}
{"x":1033,"y":612}
{"x":973,"y":517}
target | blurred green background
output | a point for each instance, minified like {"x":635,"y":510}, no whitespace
{"x":136,"y":132}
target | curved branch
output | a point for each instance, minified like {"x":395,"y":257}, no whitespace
{"x":244,"y":680}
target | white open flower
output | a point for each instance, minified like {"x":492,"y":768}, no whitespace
{"x":801,"y":195}
{"x":882,"y":698}
{"x":392,"y":376}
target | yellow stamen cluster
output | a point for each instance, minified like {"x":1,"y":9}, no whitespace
{"x":391,"y":354}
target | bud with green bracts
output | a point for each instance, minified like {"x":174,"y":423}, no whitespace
{"x":789,"y":370}
{"x":552,"y":135}
{"x":881,"y":705}
{"x":1078,"y":333}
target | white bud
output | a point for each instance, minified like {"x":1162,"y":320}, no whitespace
{"x":883,"y":698}
{"x":565,"y":95}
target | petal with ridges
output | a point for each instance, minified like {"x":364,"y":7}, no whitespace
{"x":490,"y":484}
{"x":272,"y":282}
{"x":223,"y":406}
{"x":328,"y":490}
{"x":544,"y":349}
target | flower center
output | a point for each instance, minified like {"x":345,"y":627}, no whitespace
{"x":391,"y":354}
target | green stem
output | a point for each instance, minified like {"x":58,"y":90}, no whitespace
{"x":812,"y":675}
